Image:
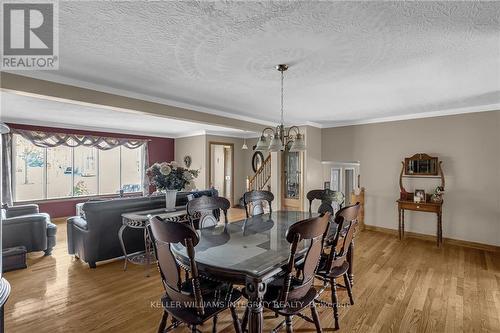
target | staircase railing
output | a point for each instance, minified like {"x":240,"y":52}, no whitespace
{"x":262,"y":175}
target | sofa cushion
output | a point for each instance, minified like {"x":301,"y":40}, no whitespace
{"x":79,"y":222}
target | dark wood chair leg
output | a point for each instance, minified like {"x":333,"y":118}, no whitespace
{"x":163,"y":322}
{"x":349,"y":288}
{"x":333,"y":285}
{"x":350,"y":259}
{"x":315,"y":318}
{"x":214,"y":326}
{"x":288,"y":321}
{"x":236,"y":320}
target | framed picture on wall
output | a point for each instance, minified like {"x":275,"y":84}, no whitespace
{"x":326,"y":186}
{"x":257,"y":160}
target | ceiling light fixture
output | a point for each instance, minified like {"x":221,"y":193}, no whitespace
{"x":244,"y":147}
{"x":281,"y":138}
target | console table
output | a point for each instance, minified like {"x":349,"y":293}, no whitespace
{"x":421,"y":165}
{"x":139,"y":220}
{"x":427,"y":207}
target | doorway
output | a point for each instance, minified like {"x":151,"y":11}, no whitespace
{"x":221,"y":169}
{"x":344,"y":177}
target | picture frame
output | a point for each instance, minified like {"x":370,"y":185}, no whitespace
{"x":419,"y":196}
{"x":326,"y":185}
{"x":257,"y":160}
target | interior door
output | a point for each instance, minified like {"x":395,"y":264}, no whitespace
{"x":228,"y":190}
{"x":221,"y":169}
{"x":349,"y":184}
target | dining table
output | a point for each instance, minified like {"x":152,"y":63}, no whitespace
{"x":250,"y":252}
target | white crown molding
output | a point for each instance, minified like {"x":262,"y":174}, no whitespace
{"x":340,"y":163}
{"x":190,"y":134}
{"x":449,"y":112}
{"x":126,"y":93}
{"x":85,"y":128}
{"x":128,"y":132}
{"x":247,"y":135}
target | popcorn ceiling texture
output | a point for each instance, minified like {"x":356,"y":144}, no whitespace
{"x":350,"y":61}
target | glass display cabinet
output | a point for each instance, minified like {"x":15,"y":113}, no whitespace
{"x":292,"y":180}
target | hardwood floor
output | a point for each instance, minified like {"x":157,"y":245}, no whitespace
{"x":408,"y":286}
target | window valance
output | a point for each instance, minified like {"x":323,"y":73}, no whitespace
{"x":48,"y":139}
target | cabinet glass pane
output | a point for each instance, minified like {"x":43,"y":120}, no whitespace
{"x":28,"y":170}
{"x":292,"y":175}
{"x":85,"y":171}
{"x":59,"y":172}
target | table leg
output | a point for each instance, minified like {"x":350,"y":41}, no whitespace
{"x":147,"y":249}
{"x":402,"y":223}
{"x":120,"y":236}
{"x":440,"y":230}
{"x":399,"y":223}
{"x":255,"y":290}
{"x":350,"y":259}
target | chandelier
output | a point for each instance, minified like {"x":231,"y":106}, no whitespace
{"x":281,"y":138}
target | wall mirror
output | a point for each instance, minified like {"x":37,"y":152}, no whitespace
{"x":421,"y":165}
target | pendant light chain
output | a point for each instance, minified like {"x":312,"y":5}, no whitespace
{"x":282,"y":118}
{"x":282,"y":139}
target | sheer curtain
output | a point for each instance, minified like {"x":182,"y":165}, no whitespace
{"x":47,"y":140}
{"x":145,"y":178}
{"x":7,"y":169}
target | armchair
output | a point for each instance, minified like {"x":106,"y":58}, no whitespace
{"x":24,"y":225}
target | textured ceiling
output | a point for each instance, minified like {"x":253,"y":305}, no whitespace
{"x":350,"y":61}
{"x":36,"y":111}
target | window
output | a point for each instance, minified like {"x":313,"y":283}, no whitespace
{"x":85,"y":171}
{"x":64,"y":172}
{"x":109,"y":163}
{"x":28,"y":169}
{"x":59,"y":172}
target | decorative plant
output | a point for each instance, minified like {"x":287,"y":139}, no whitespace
{"x":437,"y":196}
{"x":332,"y":196}
{"x":80,"y":188}
{"x":171,"y":176}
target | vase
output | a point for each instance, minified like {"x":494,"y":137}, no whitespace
{"x":170,"y":198}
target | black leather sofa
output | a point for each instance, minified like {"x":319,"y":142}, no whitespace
{"x":93,"y":236}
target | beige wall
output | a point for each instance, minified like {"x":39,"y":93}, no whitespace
{"x":468,"y":145}
{"x":198,"y":148}
{"x":313,"y":168}
{"x":194,"y":146}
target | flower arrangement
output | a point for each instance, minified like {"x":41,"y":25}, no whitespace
{"x":437,"y":196}
{"x":171,"y":176}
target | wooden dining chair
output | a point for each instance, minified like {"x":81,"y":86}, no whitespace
{"x":205,"y":211}
{"x":288,"y":295}
{"x":253,"y":202}
{"x":327,"y":197}
{"x":335,"y":264}
{"x":191,"y":301}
